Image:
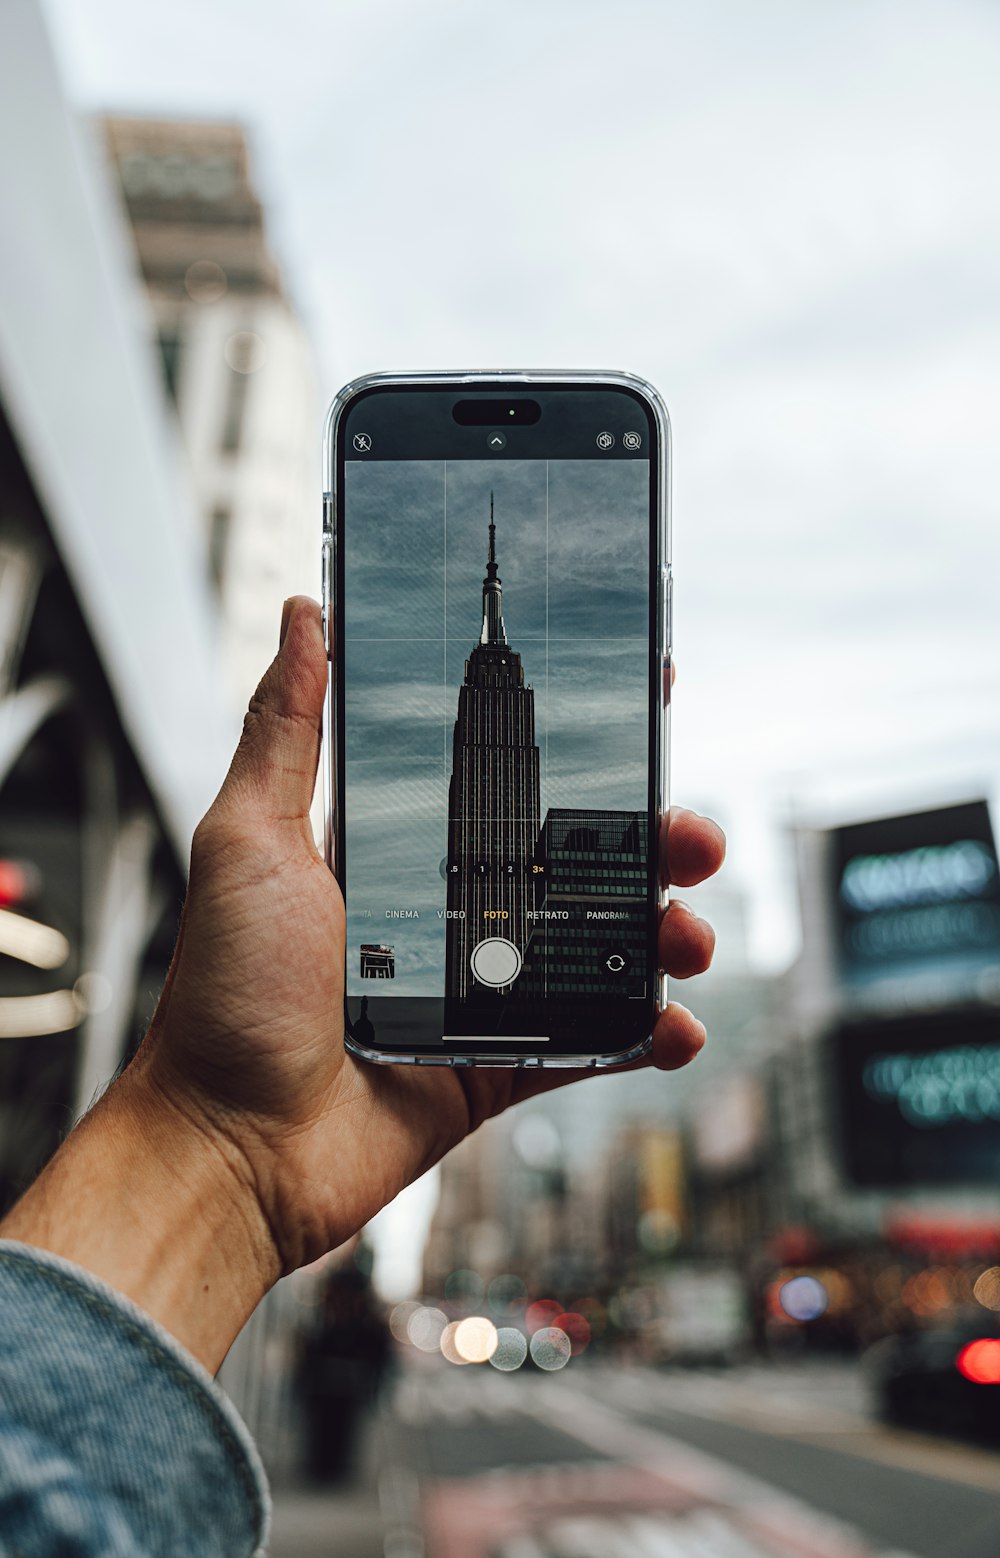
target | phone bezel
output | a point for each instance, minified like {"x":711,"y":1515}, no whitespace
{"x":504,"y":381}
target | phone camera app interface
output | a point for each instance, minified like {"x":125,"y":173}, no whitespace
{"x":497,"y":732}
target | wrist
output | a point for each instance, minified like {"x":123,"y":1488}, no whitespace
{"x":160,"y":1206}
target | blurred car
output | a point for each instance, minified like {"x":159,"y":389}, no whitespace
{"x":704,"y":1316}
{"x":945,"y":1378}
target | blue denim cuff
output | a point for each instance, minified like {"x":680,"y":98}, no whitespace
{"x":113,"y":1425}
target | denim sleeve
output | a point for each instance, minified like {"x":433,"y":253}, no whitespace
{"x":114,"y":1442}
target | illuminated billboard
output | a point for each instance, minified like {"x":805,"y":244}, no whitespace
{"x":919,"y":1098}
{"x":916,"y":893}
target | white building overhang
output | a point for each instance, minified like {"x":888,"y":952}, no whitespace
{"x":80,"y":389}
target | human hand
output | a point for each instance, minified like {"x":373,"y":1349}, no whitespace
{"x":243,"y":1084}
{"x":248,"y":1037}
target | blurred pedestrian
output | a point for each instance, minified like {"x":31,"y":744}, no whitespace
{"x":342,"y":1363}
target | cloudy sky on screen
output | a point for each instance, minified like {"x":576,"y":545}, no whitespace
{"x":572,"y":548}
{"x":783,"y":214}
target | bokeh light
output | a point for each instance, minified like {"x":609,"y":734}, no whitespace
{"x":400,"y":1318}
{"x":980,"y":1361}
{"x":245,"y":352}
{"x":595,"y":1314}
{"x":550,"y":1348}
{"x":95,"y":992}
{"x":657,"y":1231}
{"x":463,"y":1286}
{"x":205,"y":281}
{"x":986,"y":1289}
{"x":536,"y":1142}
{"x":448,"y":1349}
{"x":577,"y":1329}
{"x":803,"y":1298}
{"x":424,"y":1328}
{"x":544,"y":1311}
{"x":506,"y":1294}
{"x":928,"y":1292}
{"x":475,"y":1339}
{"x":511,"y":1349}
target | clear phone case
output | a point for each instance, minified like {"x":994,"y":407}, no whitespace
{"x":509,"y":378}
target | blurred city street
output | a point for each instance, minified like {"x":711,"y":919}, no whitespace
{"x":609,"y":1462}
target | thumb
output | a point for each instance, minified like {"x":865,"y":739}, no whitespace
{"x":274,"y":768}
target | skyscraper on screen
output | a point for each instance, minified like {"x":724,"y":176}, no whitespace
{"x":494,"y":797}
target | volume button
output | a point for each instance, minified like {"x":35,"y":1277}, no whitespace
{"x":668,"y":611}
{"x":328,"y":577}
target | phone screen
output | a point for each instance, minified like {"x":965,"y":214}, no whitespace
{"x":497,"y":677}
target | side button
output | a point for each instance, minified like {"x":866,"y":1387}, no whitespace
{"x":328,"y":594}
{"x":668,"y":611}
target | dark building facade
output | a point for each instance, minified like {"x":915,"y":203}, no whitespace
{"x":493,"y":802}
{"x":589,"y":921}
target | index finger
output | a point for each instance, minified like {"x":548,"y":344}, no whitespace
{"x":692,"y":847}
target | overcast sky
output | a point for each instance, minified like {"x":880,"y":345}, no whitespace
{"x":783,"y":214}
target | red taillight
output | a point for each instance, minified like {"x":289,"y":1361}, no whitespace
{"x":13,"y":882}
{"x":980,"y":1362}
{"x":576,"y":1329}
{"x":542,"y":1312}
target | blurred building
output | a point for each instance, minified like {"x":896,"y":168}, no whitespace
{"x":157,"y":485}
{"x":470,"y":1228}
{"x":845,"y":1116}
{"x":889,"y":1088}
{"x":239,"y":388}
{"x":645,"y":1200}
{"x":112,"y":728}
{"x":237,"y":366}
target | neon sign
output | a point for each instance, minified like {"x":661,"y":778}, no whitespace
{"x":935,"y":873}
{"x":917,"y":895}
{"x":939,"y":1087}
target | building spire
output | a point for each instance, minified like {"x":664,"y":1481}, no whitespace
{"x":494,"y":631}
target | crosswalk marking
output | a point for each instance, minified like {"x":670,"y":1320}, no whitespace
{"x":706,"y":1534}
{"x":758,"y":1401}
{"x":459,"y":1397}
{"x":745,"y":1518}
{"x":764,"y":1508}
{"x":784,"y":1407}
{"x":795,"y":1408}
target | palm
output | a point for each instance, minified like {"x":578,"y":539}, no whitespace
{"x":266,"y":1042}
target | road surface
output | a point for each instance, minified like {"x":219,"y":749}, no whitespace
{"x":627,"y":1462}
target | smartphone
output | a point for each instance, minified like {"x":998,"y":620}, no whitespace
{"x":497,"y":605}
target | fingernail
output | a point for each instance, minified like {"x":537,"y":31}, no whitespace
{"x":286,"y":617}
